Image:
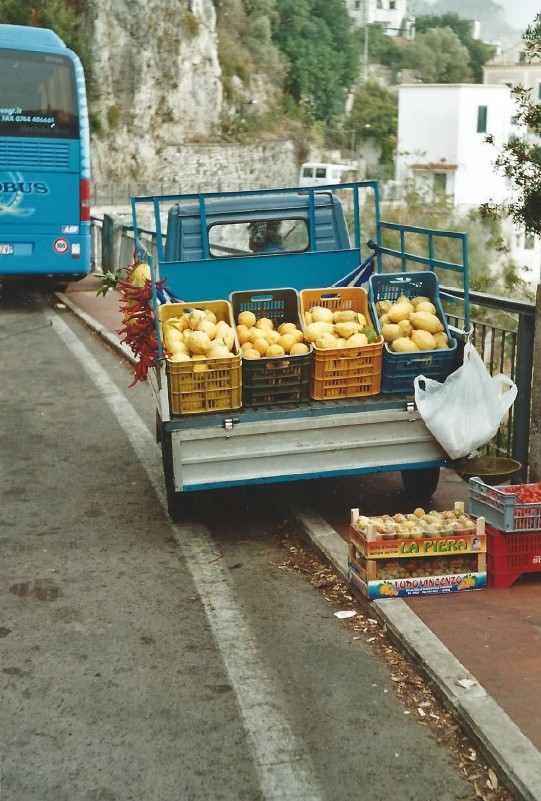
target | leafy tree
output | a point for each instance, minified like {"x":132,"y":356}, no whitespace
{"x":520,"y":159}
{"x":317,"y":39}
{"x":438,"y":56}
{"x":479,"y":52}
{"x":382,"y":49}
{"x":245,"y":45}
{"x":374,"y":114}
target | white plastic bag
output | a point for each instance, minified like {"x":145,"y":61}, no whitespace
{"x":465,"y":411}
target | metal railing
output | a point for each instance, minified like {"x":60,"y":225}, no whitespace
{"x":502,"y":329}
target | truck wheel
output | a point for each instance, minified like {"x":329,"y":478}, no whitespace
{"x":179,"y":504}
{"x":421,"y":483}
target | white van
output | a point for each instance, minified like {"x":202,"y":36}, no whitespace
{"x":316,"y":173}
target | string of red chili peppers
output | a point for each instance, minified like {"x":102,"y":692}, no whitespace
{"x":139,"y":330}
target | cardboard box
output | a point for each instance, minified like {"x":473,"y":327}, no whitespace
{"x":428,"y":565}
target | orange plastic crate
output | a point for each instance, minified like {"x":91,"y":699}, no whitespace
{"x":344,"y":372}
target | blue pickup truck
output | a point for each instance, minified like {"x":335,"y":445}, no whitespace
{"x":329,"y":236}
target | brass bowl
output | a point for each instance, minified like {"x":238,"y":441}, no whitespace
{"x":490,"y":469}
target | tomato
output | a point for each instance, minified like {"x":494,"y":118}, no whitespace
{"x":525,"y":493}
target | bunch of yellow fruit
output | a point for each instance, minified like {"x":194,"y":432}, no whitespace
{"x":197,"y":335}
{"x":259,"y":338}
{"x":411,"y":324}
{"x":341,"y":328}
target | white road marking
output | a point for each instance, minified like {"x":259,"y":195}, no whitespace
{"x":285,"y":771}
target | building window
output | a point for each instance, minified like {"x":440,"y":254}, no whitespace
{"x":439,"y":182}
{"x":481,"y":119}
{"x":357,"y":5}
{"x":392,"y":5}
{"x":529,"y":242}
{"x":539,"y":91}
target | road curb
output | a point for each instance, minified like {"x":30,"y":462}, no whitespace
{"x":513,"y":755}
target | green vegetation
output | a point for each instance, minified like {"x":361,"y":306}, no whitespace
{"x":438,"y":56}
{"x":316,"y":38}
{"x":374,"y":114}
{"x":306,"y":50}
{"x":478,"y":52}
{"x":245,"y":45}
{"x":379,"y":48}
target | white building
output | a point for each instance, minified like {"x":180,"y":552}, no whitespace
{"x":511,"y":67}
{"x":392,"y":15}
{"x":441,"y":140}
{"x":442,"y":146}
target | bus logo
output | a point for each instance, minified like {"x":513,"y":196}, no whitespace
{"x":14,"y":191}
{"x":61,"y":245}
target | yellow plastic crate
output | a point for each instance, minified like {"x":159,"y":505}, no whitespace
{"x":207,"y":385}
{"x":344,"y":372}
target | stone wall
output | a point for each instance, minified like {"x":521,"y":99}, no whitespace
{"x":206,"y":168}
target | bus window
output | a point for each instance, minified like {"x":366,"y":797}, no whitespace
{"x":37,"y":95}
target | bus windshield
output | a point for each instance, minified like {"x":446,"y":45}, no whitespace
{"x":37,"y":95}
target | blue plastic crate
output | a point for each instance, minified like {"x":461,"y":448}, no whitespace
{"x":400,"y":369}
{"x":502,"y":509}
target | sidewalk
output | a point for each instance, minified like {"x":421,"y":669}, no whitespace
{"x":482,"y":649}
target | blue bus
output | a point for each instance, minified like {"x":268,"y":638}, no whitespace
{"x":44,"y":159}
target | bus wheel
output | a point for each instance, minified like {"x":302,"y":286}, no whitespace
{"x":421,"y":483}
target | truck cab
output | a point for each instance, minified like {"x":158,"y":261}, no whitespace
{"x":207,"y":242}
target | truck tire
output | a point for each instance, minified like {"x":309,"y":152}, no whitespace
{"x":179,"y":504}
{"x":421,"y":483}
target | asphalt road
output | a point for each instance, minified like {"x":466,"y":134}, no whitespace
{"x":150,"y":661}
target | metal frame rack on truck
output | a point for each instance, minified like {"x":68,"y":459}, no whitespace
{"x":331,"y":238}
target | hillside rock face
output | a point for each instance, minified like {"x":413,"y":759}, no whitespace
{"x":159,"y":83}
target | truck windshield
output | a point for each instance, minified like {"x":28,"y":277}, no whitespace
{"x":258,"y":236}
{"x":37,"y":95}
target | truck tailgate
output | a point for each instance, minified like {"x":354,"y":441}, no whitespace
{"x":252,"y":446}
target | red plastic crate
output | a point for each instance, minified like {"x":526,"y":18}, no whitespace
{"x":510,"y":554}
